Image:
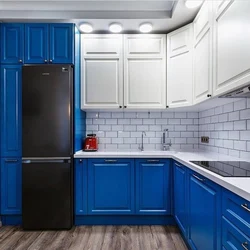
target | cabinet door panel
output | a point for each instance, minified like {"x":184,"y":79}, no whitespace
{"x":102,"y":86}
{"x":111,"y":186}
{"x":12,"y":46}
{"x":11,"y":117}
{"x":180,"y":196}
{"x":11,"y":187}
{"x":203,"y":53}
{"x":144,"y":83}
{"x":180,"y":59}
{"x":36,"y":43}
{"x":204,"y":214}
{"x":232,"y":53}
{"x":153,"y":187}
{"x":61,"y":43}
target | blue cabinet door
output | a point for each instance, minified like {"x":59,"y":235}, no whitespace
{"x":11,"y":117}
{"x":110,"y":186}
{"x":36,"y":43}
{"x":61,"y":43}
{"x":153,"y":186}
{"x":12,"y":45}
{"x":204,"y":207}
{"x":81,"y":185}
{"x":180,"y":196}
{"x":11,"y":187}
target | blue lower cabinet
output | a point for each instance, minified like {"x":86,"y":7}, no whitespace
{"x":11,"y":187}
{"x":81,"y":185}
{"x":232,"y":237}
{"x":180,"y":196}
{"x":110,"y":186}
{"x":204,"y":209}
{"x":153,"y":186}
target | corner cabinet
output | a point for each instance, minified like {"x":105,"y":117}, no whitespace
{"x":110,"y":186}
{"x":145,"y":71}
{"x":153,"y":186}
{"x":11,"y":113}
{"x":102,"y":67}
{"x":203,"y":47}
{"x":232,"y":49}
{"x":204,"y":213}
{"x":180,"y":67}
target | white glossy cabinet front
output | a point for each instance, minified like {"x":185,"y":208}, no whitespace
{"x":232,"y":45}
{"x":203,"y":53}
{"x":102,"y":72}
{"x":180,"y":67}
{"x":144,"y":71}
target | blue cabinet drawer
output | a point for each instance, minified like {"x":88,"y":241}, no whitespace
{"x":236,"y":210}
{"x":233,"y":238}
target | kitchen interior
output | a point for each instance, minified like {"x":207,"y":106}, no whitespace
{"x":125,"y":124}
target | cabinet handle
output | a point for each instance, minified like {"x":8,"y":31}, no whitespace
{"x":110,"y":160}
{"x":50,"y":61}
{"x":80,"y":160}
{"x":245,"y":206}
{"x":178,"y":165}
{"x":125,"y":107}
{"x":153,"y":160}
{"x":209,"y":95}
{"x":120,"y":107}
{"x":167,"y":107}
{"x":11,"y":160}
{"x":45,"y":61}
{"x":198,"y":178}
{"x":245,"y":245}
{"x":20,"y":60}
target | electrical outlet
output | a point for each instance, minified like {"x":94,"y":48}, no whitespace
{"x":205,"y":139}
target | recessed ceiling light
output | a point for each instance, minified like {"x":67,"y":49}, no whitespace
{"x":115,"y":27}
{"x":146,"y":27}
{"x":86,"y":28}
{"x":193,"y":3}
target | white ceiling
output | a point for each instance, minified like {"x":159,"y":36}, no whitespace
{"x":165,"y":15}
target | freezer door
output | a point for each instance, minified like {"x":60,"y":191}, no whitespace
{"x":47,"y":110}
{"x":47,"y":194}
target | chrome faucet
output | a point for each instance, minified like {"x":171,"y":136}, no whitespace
{"x":164,"y":144}
{"x":142,"y":146}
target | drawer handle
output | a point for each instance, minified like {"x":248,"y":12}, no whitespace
{"x":11,"y":160}
{"x":110,"y":160}
{"x":245,"y":206}
{"x":245,"y":245}
{"x":198,"y":178}
{"x":153,"y":160}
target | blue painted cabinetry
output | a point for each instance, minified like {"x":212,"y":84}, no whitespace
{"x":12,"y":43}
{"x":11,"y":115}
{"x":204,"y":213}
{"x":180,"y":196}
{"x":11,"y":187}
{"x":153,"y":186}
{"x":81,"y":186}
{"x":111,"y":186}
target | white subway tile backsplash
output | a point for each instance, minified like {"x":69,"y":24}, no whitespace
{"x":111,"y":121}
{"x":180,"y":115}
{"x":240,"y":125}
{"x":98,"y":121}
{"x":238,"y":105}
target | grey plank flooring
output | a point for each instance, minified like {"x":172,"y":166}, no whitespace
{"x":94,"y":238}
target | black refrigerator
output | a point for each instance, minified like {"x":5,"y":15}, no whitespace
{"x":47,"y":144}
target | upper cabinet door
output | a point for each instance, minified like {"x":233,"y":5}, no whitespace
{"x":11,"y":117}
{"x":232,"y":45}
{"x":61,"y":43}
{"x":203,"y":53}
{"x":102,"y":64}
{"x":144,"y":71}
{"x":12,"y":46}
{"x":36,"y":43}
{"x":180,"y":59}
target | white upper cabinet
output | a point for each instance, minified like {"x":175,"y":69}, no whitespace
{"x":102,"y":72}
{"x":203,"y":53}
{"x":232,"y":45}
{"x":180,"y":67}
{"x":145,"y":71}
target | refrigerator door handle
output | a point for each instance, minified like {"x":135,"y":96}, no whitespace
{"x":24,"y":161}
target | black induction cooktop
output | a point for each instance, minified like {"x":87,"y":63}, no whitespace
{"x":226,"y":168}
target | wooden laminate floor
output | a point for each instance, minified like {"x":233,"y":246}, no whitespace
{"x":94,"y":238}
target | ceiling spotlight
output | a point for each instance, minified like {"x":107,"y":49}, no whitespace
{"x":115,"y":27}
{"x":146,"y":27}
{"x":193,"y":3}
{"x":86,"y":28}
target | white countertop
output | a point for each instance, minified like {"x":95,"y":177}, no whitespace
{"x":238,"y":185}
